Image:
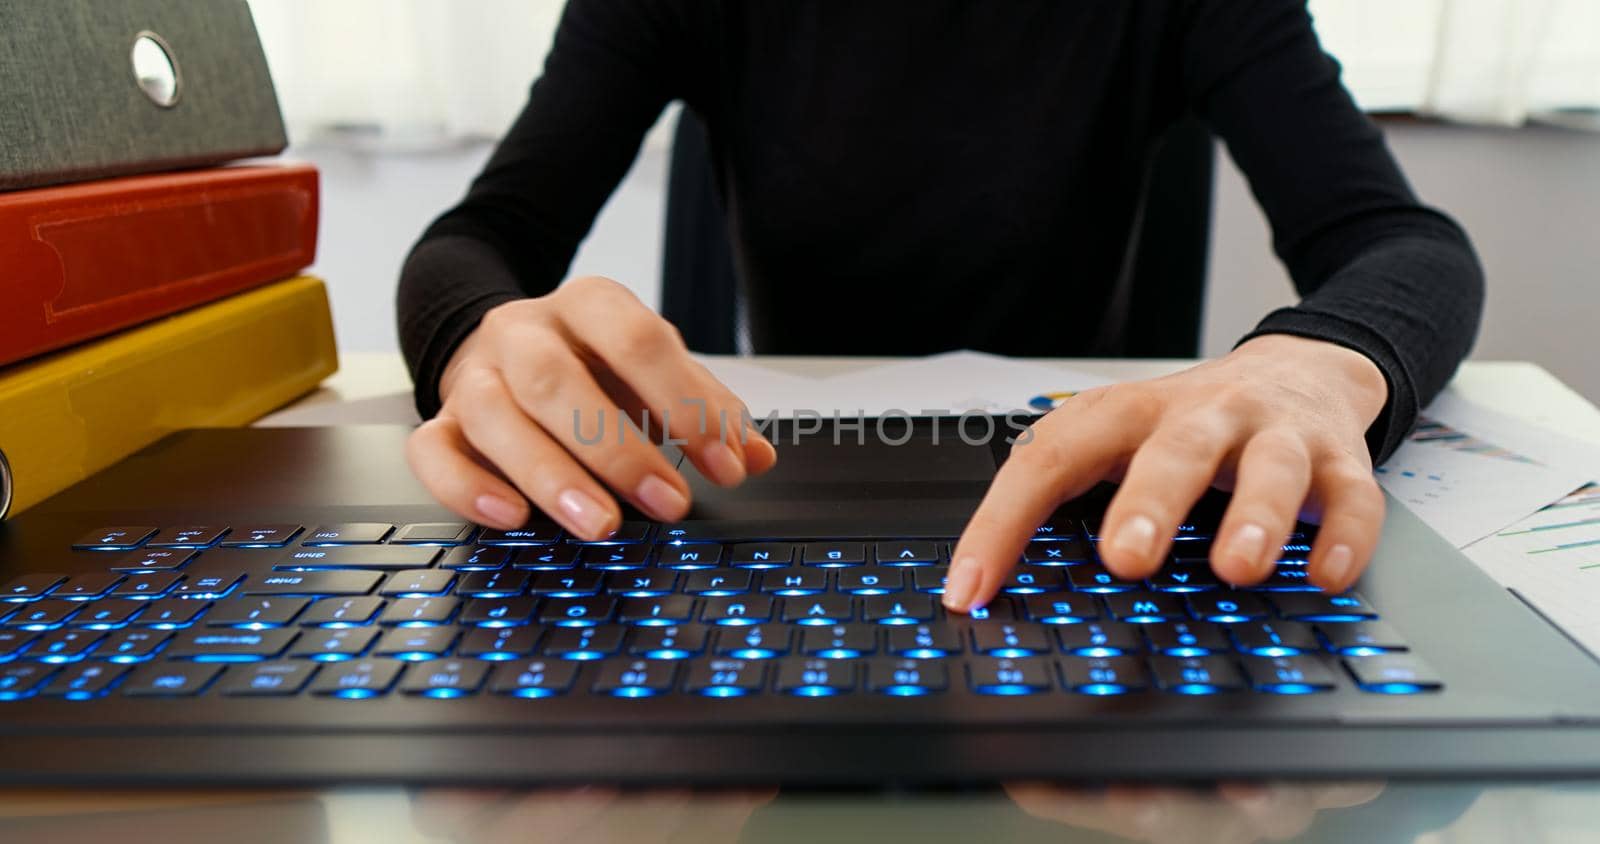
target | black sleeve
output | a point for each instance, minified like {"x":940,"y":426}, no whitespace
{"x":1377,"y":271}
{"x":613,"y":66}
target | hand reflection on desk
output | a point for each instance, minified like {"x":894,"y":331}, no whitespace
{"x":1231,"y":813}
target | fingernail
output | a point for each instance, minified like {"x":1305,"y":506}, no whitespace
{"x":662,"y":499}
{"x":1336,"y":565}
{"x":960,"y":584}
{"x":499,"y":511}
{"x":1247,"y":545}
{"x":1137,"y":536}
{"x":585,"y":516}
{"x":724,"y":466}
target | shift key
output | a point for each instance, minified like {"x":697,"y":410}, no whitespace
{"x":313,"y":583}
{"x":229,"y":645}
{"x":375,"y":557}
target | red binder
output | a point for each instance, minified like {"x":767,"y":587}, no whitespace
{"x":80,"y":261}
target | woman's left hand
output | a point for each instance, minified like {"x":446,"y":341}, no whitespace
{"x":1281,"y":421}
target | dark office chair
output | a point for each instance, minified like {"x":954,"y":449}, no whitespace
{"x":700,"y":288}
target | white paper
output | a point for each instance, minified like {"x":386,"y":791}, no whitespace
{"x":953,"y":383}
{"x":1552,"y":559}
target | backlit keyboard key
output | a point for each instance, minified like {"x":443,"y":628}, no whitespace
{"x":1010,"y":639}
{"x":614,"y":557}
{"x":314,"y":583}
{"x":62,"y":646}
{"x":816,"y":677}
{"x":1049,"y":552}
{"x":419,"y":612}
{"x":688,"y":556}
{"x":84,"y":682}
{"x":23,"y":680}
{"x":674,"y":642}
{"x":335,"y":645}
{"x":758,"y":641}
{"x":906,"y":553}
{"x":1315,"y":606}
{"x":1187,"y":638}
{"x":498,"y":644}
{"x":30,"y":586}
{"x":1061,"y":609}
{"x":87,"y":587}
{"x":1058,"y":526}
{"x":146,"y":587}
{"x":475,"y":558}
{"x":208,"y":586}
{"x":566,"y":584}
{"x":121,"y":538}
{"x":1227,"y":607}
{"x":348,"y":533}
{"x":1183,"y":578}
{"x":580,"y":612}
{"x":414,"y":644}
{"x":1288,"y":675}
{"x":1033,"y":580}
{"x":357,"y":679}
{"x":108,"y":614}
{"x":434,"y":533}
{"x":1007,"y":676}
{"x":897,"y":609}
{"x":418,"y":583}
{"x":498,"y":612}
{"x":725,"y":677}
{"x":153,"y":559}
{"x":871,"y":581}
{"x":737,"y":611}
{"x":130,"y":646}
{"x":817,"y":610}
{"x":641,"y":584}
{"x":636,"y":677}
{"x":626,"y":533}
{"x":1095,"y":578}
{"x":1275,"y":638}
{"x":171,"y":613}
{"x":546,"y":558}
{"x":907,"y":677}
{"x":929,"y":579}
{"x":715,"y":582}
{"x":1146,"y":607}
{"x":188,"y":536}
{"x":762,"y":555}
{"x":1096,"y":639}
{"x":255,"y":613}
{"x":1362,"y":638}
{"x":794,"y":581}
{"x":12,"y":641}
{"x":342,"y":612}
{"x":829,"y":554}
{"x":375,"y":557}
{"x":262,"y":536}
{"x":670,"y":609}
{"x":47,"y":614}
{"x":267,"y":679}
{"x":169,"y":679}
{"x":584,"y":643}
{"x":1196,"y":675}
{"x":1116,"y":675}
{"x":213,"y":645}
{"x":493,"y":584}
{"x":1392,"y":674}
{"x":1002,"y":608}
{"x":924,"y":641}
{"x":543,"y":533}
{"x":841,"y":641}
{"x":445,"y":679}
{"x":1286,"y":579}
{"x":533,"y":678}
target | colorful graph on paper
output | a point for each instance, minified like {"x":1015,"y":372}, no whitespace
{"x":1569,"y":528}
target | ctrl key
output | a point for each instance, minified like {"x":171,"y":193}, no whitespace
{"x":357,"y":680}
{"x":170,"y":679}
{"x":265,"y":679}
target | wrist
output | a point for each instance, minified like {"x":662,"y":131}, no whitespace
{"x":1349,"y":373}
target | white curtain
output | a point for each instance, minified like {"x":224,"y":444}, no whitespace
{"x":1506,"y":61}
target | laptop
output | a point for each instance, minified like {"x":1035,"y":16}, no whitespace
{"x":288,"y":606}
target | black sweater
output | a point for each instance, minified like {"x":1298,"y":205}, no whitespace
{"x":914,"y":176}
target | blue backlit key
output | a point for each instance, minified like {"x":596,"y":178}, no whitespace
{"x":498,"y":644}
{"x":907,"y":552}
{"x":267,"y":679}
{"x":817,"y":610}
{"x":1146,"y":607}
{"x":1286,"y":579}
{"x":87,"y":587}
{"x":626,"y":533}
{"x":641,"y":584}
{"x":1392,"y":674}
{"x":674,"y":642}
{"x":498,"y":612}
{"x":737,"y":611}
{"x":535,"y":678}
{"x":1115,"y":675}
{"x":1061,"y":609}
{"x":671,"y":609}
{"x":418,"y":583}
{"x":1187,"y":638}
{"x":547,"y":558}
{"x":1097,"y":639}
{"x":1362,"y":638}
{"x":873,"y":580}
{"x":614,"y":557}
{"x":445,"y":679}
{"x":1196,"y":675}
{"x":816,"y":677}
{"x":475,"y":558}
{"x":357,"y":679}
{"x":22,"y":680}
{"x":13,"y":641}
{"x":1002,"y":608}
{"x":228,"y":645}
{"x":335,"y":645}
{"x":419,"y":612}
{"x":897,"y":609}
{"x":62,"y":646}
{"x":762,"y":555}
{"x":189,"y":536}
{"x":583,"y":612}
{"x":131,"y":646}
{"x":725,"y":677}
{"x":543,"y":533}
{"x":907,"y":677}
{"x":153,"y":559}
{"x":717,"y":582}
{"x":924,"y":641}
{"x":434,"y":533}
{"x":84,"y":681}
{"x":1034,"y":580}
{"x":794,"y":581}
{"x":262,"y":536}
{"x":584,"y":644}
{"x":1049,"y":552}
{"x":566,"y":584}
{"x":170,"y":679}
{"x":1007,"y":676}
{"x":207,"y":586}
{"x":493,"y":584}
{"x":46,"y":614}
{"x":759,"y":641}
{"x":1094,"y":578}
{"x":255,"y":613}
{"x":348,"y":533}
{"x":688,"y":556}
{"x":147,"y":587}
{"x":360,"y":557}
{"x":31,"y":586}
{"x":1010,"y":639}
{"x":171,"y":613}
{"x":342,"y":612}
{"x":636,"y":678}
{"x":108,"y":614}
{"x":1288,"y":675}
{"x":1315,"y":606}
{"x":1181,"y":578}
{"x":834,"y":554}
{"x":121,"y":538}
{"x":843,"y":641}
{"x":415,"y":644}
{"x":1275,"y":638}
{"x":1227,"y":607}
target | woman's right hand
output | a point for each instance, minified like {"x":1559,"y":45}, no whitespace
{"x":524,"y":395}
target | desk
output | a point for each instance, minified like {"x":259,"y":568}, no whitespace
{"x":373,"y":389}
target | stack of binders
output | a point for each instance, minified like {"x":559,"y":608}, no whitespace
{"x":137,"y":298}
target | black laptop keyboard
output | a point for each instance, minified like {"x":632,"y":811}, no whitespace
{"x":365,"y":610}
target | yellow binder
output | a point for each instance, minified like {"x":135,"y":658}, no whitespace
{"x":73,"y":413}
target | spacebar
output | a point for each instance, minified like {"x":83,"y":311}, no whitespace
{"x":313,"y":583}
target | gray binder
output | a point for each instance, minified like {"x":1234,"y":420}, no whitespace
{"x":73,"y":107}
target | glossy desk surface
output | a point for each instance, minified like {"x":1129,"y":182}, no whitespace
{"x":371,"y":390}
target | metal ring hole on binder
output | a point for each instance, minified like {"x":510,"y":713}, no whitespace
{"x":155,"y":70}
{"x":5,"y":486}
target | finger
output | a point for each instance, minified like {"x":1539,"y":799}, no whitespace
{"x":1352,"y":518}
{"x":452,"y":472}
{"x":1167,"y":475}
{"x":533,"y":461}
{"x":647,"y":353}
{"x":1273,"y":476}
{"x":1068,"y":452}
{"x":555,"y":389}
